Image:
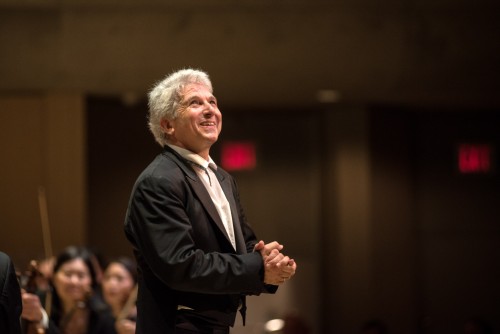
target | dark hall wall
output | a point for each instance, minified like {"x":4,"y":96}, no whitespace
{"x":259,"y":53}
{"x":446,"y":221}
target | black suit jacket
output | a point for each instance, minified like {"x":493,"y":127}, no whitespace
{"x":183,"y":252}
{"x":10,"y":297}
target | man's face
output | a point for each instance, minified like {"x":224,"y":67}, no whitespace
{"x":199,"y":122}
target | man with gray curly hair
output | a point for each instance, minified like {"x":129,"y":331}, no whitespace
{"x":165,"y":97}
{"x":197,"y":256}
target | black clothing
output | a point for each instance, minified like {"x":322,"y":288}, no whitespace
{"x":185,"y":257}
{"x":100,"y":321}
{"x":11,"y":304}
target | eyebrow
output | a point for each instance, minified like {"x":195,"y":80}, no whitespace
{"x":198,"y":96}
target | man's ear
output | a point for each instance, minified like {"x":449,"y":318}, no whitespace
{"x":167,"y":126}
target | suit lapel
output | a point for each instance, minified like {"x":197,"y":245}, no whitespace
{"x":207,"y":202}
{"x":199,"y":190}
{"x":228,"y":191}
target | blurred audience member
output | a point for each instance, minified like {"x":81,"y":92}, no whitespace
{"x":73,"y":310}
{"x":119,"y":292}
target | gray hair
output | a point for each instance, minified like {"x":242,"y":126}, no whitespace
{"x":165,"y":98}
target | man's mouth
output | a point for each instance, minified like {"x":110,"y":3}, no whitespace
{"x":208,"y":123}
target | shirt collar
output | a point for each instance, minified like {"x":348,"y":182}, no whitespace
{"x":193,"y":157}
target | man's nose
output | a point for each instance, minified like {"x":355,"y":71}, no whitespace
{"x":210,"y":107}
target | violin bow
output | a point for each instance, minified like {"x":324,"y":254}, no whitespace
{"x":47,"y":240}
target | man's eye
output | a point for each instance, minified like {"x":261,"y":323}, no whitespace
{"x":194,"y":102}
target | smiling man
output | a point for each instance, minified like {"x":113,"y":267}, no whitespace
{"x":197,"y":256}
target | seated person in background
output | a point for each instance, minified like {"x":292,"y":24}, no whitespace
{"x":119,"y":292}
{"x":10,"y":297}
{"x":73,"y":310}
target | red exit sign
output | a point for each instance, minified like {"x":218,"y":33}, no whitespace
{"x":238,"y":156}
{"x":474,"y":158}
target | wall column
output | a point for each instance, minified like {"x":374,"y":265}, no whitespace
{"x":42,"y":144}
{"x":346,"y":221}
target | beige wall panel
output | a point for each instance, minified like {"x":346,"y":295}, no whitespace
{"x":42,"y":144}
{"x":347,"y":221}
{"x":66,"y":168}
{"x":21,"y":146}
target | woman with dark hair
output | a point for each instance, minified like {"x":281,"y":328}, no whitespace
{"x":119,"y":292}
{"x":74,"y":307}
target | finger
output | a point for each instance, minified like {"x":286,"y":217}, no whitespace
{"x":259,"y":246}
{"x":275,"y":259}
{"x":280,"y":261}
{"x":274,"y":253}
{"x":287,"y":271}
{"x":290,"y":271}
{"x":273,"y":245}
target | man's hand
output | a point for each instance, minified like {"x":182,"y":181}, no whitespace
{"x":278,"y":273}
{"x":277,"y":267}
{"x":268,"y":251}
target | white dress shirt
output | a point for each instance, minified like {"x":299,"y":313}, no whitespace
{"x":205,"y":170}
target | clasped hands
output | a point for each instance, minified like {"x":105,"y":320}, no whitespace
{"x":277,"y":267}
